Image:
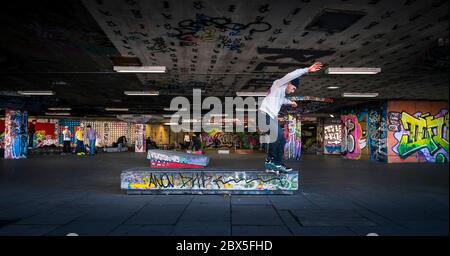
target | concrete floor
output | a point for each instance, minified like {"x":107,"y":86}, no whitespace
{"x":57,"y":195}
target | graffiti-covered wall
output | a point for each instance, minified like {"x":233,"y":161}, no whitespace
{"x":377,"y":132}
{"x":417,"y":131}
{"x":352,"y":137}
{"x":16,"y":136}
{"x":332,"y":139}
{"x":292,"y":133}
{"x":46,"y":133}
{"x":219,"y":139}
{"x":364,"y":133}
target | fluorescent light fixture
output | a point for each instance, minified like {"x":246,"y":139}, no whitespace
{"x":332,"y":116}
{"x":57,"y":114}
{"x":141,"y":93}
{"x":181,"y":109}
{"x":246,"y":109}
{"x":44,"y":93}
{"x":218,"y":115}
{"x":333,"y":87}
{"x":251,"y":94}
{"x":140,"y":69}
{"x":230,"y":120}
{"x":359,"y":95}
{"x":352,"y":71}
{"x":59,"y":109}
{"x":171,"y":116}
{"x":116,"y":109}
{"x":190,"y":121}
{"x":170,"y":124}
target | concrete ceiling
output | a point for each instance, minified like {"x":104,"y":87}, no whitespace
{"x":220,"y":47}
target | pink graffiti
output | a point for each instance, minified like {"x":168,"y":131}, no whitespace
{"x":352,"y":135}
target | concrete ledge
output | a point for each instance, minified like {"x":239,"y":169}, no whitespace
{"x":206,"y":181}
{"x":170,"y":156}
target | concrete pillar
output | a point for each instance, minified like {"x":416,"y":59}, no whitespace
{"x":16,"y":137}
{"x":139,"y":146}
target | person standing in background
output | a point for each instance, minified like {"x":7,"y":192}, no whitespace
{"x":187,"y":141}
{"x":79,"y":136}
{"x":67,"y":135}
{"x":196,"y":142}
{"x":91,"y":136}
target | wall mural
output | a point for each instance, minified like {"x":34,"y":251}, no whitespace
{"x":16,"y":144}
{"x":352,"y":134}
{"x":240,"y":140}
{"x":377,"y":137}
{"x":46,"y":133}
{"x":215,"y":181}
{"x":372,"y":140}
{"x":332,"y":139}
{"x":292,"y":133}
{"x":418,"y":132}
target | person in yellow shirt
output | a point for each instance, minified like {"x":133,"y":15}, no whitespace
{"x":79,"y":136}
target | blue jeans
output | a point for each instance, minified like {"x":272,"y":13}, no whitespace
{"x":92,"y":146}
{"x":276,"y":149}
{"x":80,"y":146}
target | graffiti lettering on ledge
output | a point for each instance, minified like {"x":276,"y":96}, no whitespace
{"x":199,"y":180}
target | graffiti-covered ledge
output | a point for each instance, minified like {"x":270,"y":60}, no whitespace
{"x":207,"y":181}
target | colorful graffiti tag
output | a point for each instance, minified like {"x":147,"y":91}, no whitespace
{"x":332,"y":139}
{"x":377,"y":138}
{"x":421,"y":133}
{"x":210,"y":182}
{"x":292,"y":133}
{"x":16,"y":145}
{"x":217,"y":139}
{"x":352,"y":135}
{"x":46,"y":133}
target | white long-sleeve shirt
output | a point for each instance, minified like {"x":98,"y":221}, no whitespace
{"x":276,"y":97}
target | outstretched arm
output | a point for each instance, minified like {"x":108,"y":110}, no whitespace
{"x":299,"y":72}
{"x":292,"y":75}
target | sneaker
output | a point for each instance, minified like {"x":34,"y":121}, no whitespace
{"x":284,"y":169}
{"x":288,"y":169}
{"x":270,"y":166}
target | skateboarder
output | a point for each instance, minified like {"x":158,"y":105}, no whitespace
{"x":271,"y":106}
